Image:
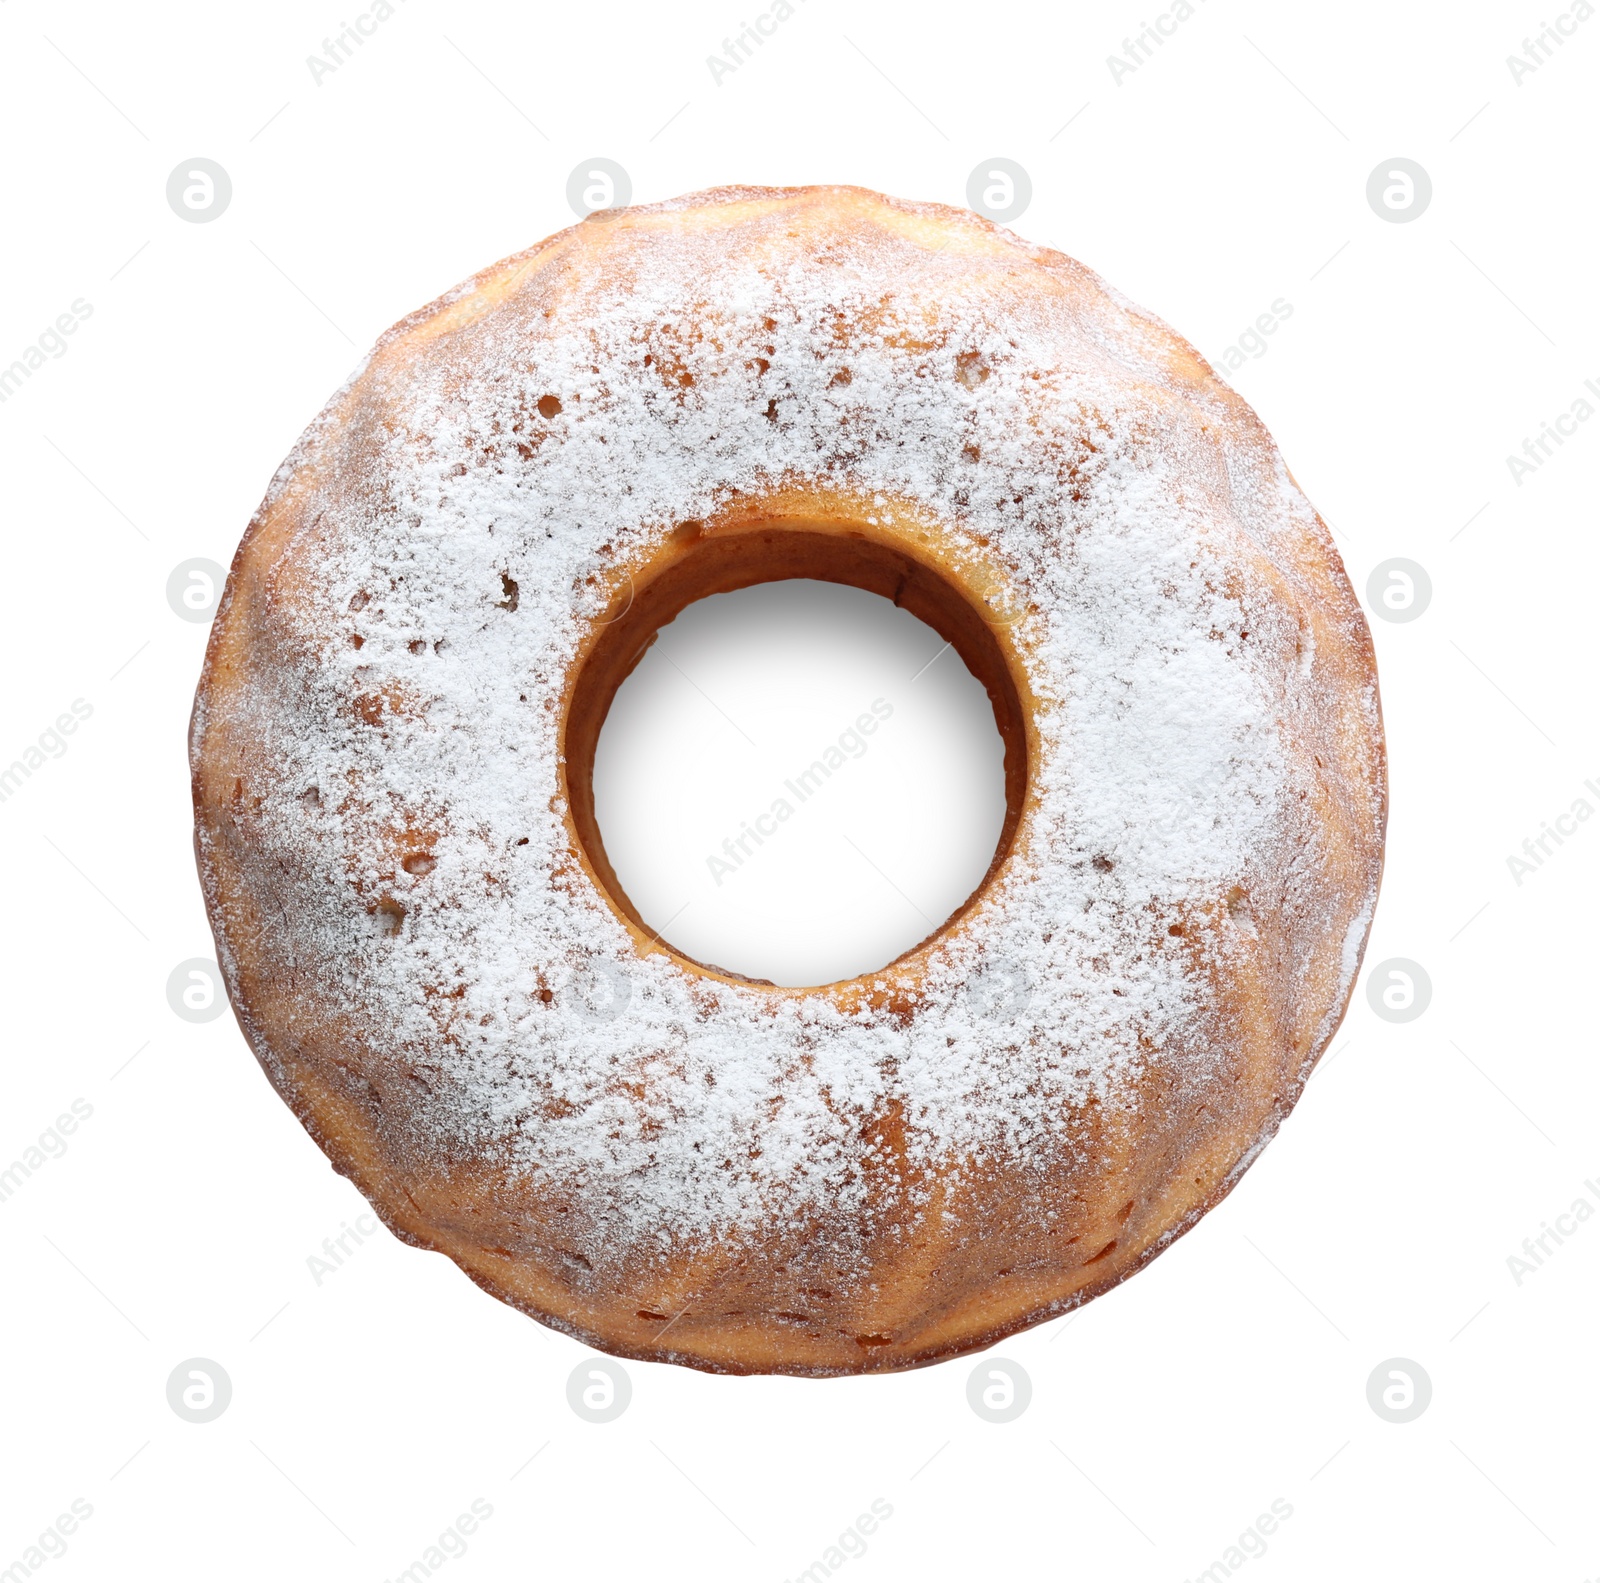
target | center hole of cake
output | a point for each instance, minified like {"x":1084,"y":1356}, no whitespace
{"x":799,"y":782}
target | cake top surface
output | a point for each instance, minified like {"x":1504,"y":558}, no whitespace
{"x":455,"y":513}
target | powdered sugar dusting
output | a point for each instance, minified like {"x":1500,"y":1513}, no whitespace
{"x":464,"y":514}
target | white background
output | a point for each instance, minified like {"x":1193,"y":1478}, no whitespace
{"x":368,"y":1411}
{"x":736,"y":698}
